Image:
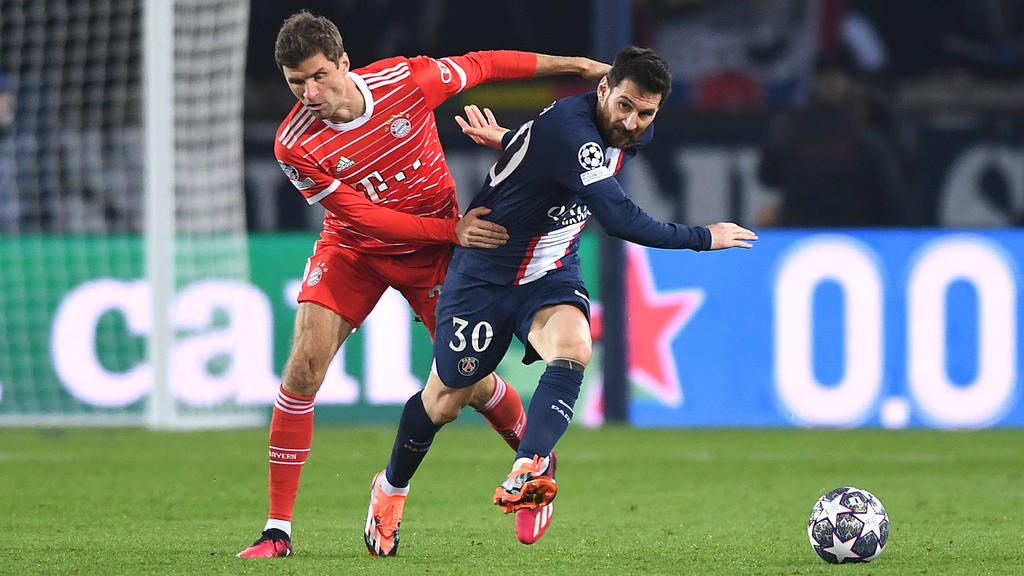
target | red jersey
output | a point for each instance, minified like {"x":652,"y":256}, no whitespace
{"x":391,"y":156}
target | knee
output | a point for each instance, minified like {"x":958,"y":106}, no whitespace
{"x":482,"y":393}
{"x":443,"y":404}
{"x":578,"y":349}
{"x":442,"y":410}
{"x":303,"y":374}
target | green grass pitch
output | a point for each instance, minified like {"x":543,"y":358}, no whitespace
{"x":706,"y":502}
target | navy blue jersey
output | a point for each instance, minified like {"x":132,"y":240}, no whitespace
{"x":555,"y":172}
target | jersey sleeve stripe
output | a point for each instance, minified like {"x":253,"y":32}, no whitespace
{"x":327,"y":192}
{"x":294,"y":137}
{"x":300,"y":119}
{"x":459,"y":71}
{"x":385,"y":72}
{"x":385,"y":81}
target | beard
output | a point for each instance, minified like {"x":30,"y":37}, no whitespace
{"x":619,"y":138}
{"x":614,"y":134}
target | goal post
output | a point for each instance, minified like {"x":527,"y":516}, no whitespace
{"x":159,"y":186}
{"x":122,"y":214}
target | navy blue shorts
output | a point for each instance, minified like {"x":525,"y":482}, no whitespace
{"x":477,"y":319}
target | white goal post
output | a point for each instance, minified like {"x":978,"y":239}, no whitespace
{"x":122,"y":206}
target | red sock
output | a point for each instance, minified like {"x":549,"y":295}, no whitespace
{"x":505,"y":412}
{"x":291,"y":435}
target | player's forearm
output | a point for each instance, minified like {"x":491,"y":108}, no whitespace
{"x":623,"y":219}
{"x":639,"y":228}
{"x":555,"y":65}
{"x":494,"y":65}
{"x":399,"y":227}
{"x":389,"y":225}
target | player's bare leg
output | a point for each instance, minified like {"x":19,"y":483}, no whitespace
{"x":319,"y":333}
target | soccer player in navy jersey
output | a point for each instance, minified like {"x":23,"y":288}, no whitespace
{"x":555,"y":171}
{"x":363,"y":143}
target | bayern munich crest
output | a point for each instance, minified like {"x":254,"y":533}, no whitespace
{"x":315,"y":275}
{"x":468,"y":366}
{"x":591,"y":156}
{"x":400,"y":126}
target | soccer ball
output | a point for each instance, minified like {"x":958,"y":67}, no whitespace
{"x":848,"y":525}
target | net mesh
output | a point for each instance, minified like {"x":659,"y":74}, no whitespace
{"x":74,"y":304}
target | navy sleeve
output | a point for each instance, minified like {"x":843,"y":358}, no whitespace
{"x":624,"y":219}
{"x":576,"y":161}
{"x":506,"y":138}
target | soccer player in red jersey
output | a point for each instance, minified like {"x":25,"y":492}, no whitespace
{"x":363,"y":144}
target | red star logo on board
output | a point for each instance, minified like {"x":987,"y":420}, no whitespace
{"x":653,"y":319}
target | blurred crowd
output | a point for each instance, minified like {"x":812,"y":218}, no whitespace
{"x":858,"y":109}
{"x":837,"y":95}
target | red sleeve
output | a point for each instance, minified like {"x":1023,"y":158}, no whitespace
{"x":357,"y":211}
{"x":442,"y":78}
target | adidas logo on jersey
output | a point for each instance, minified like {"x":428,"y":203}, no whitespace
{"x":343,"y":163}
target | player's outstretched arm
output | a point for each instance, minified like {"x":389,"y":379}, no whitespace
{"x":729,"y":235}
{"x":472,"y":231}
{"x":585,"y":67}
{"x":393,"y":226}
{"x":481,"y":127}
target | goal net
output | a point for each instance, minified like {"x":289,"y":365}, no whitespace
{"x":122,"y":213}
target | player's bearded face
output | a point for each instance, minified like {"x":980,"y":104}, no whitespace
{"x":624,"y":112}
{"x":319,"y":84}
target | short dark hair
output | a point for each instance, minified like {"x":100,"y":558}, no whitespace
{"x":304,"y":35}
{"x":645,"y":67}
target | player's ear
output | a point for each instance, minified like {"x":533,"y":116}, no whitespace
{"x":343,"y":62}
{"x":602,"y":89}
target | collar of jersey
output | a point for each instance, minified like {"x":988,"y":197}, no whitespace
{"x":367,"y":98}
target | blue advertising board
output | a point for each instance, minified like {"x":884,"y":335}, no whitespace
{"x":898,"y":328}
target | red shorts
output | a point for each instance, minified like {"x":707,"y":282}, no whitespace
{"x":350,"y":283}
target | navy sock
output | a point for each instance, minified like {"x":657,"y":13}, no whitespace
{"x":550,"y":410}
{"x":415,"y":434}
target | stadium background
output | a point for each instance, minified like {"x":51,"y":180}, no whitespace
{"x":926,"y":334}
{"x":740,"y":365}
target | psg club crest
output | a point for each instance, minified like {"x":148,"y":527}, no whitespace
{"x":591,"y":156}
{"x":400,"y":126}
{"x":468,"y":366}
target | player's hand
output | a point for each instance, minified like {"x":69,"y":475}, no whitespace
{"x":729,"y":235}
{"x":481,"y":127}
{"x":472,"y":231}
{"x":594,"y":70}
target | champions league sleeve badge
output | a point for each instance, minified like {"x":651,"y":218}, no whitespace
{"x":591,"y":156}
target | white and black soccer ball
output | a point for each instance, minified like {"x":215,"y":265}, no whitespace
{"x":848,"y":525}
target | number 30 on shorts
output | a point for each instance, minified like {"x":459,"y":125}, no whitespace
{"x":481,"y":335}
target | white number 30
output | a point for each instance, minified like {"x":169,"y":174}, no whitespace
{"x":481,"y":335}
